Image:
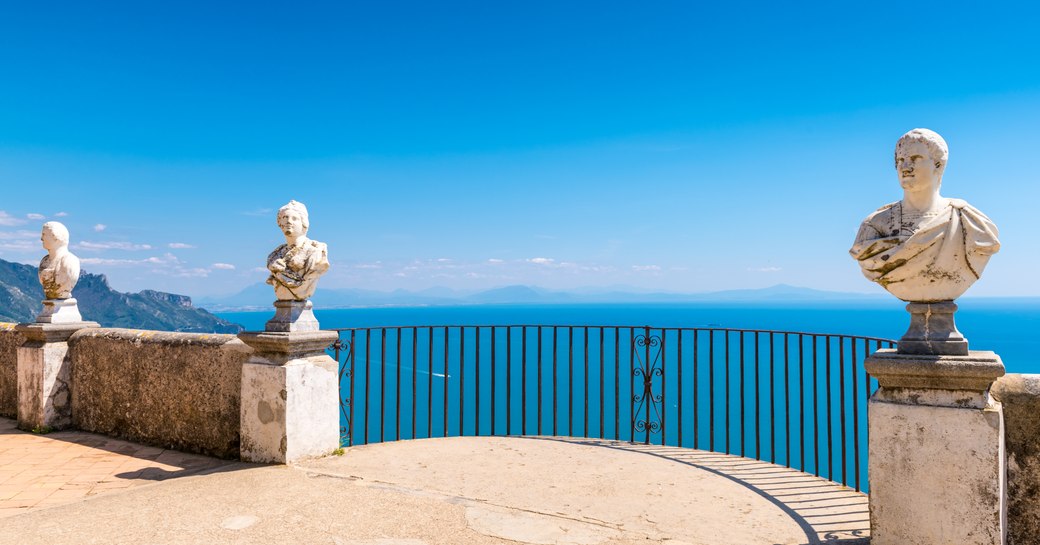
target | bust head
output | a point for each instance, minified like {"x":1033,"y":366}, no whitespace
{"x":293,"y":219}
{"x":920,"y":159}
{"x":54,"y":236}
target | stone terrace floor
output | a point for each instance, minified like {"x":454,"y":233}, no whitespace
{"x":74,"y":487}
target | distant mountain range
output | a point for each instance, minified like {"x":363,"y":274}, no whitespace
{"x":21,"y":296}
{"x":261,"y":297}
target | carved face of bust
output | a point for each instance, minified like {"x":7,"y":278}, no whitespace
{"x":916,"y":167}
{"x":54,"y":236}
{"x":291,"y":223}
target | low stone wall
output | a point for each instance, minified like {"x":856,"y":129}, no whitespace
{"x":1020,"y":395}
{"x":10,"y":340}
{"x":174,"y":390}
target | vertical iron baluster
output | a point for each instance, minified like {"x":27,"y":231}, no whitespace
{"x":353,"y":369}
{"x":429,"y":384}
{"x":445,"y":381}
{"x":382,"y":384}
{"x":555,"y":378}
{"x":523,"y":380}
{"x":368,"y":368}
{"x":787,"y":399}
{"x":664,"y":384}
{"x":570,"y":381}
{"x":509,"y":380}
{"x":476,"y":391}
{"x":493,"y":355}
{"x":855,"y":413}
{"x":772,"y":401}
{"x":539,"y":415}
{"x":462,"y":380}
{"x":601,"y":385}
{"x":678,"y":395}
{"x":758,"y":411}
{"x":586,"y":377}
{"x":617,"y":384}
{"x":696,"y":403}
{"x":711,"y":390}
{"x":830,"y":419}
{"x":801,"y":397}
{"x":866,"y":383}
{"x":647,"y":393}
{"x":841,"y":404}
{"x":632,"y":383}
{"x":397,"y":429}
{"x":816,"y":410}
{"x":743,"y":435}
{"x":728,"y":451}
{"x":415,"y":377}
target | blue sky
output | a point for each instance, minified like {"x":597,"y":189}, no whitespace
{"x":667,"y":146}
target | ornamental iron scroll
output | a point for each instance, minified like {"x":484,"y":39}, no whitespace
{"x":341,"y":348}
{"x":646,"y":412}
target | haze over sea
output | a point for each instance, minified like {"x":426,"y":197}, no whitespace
{"x":1004,"y":325}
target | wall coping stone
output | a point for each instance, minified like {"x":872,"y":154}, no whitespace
{"x":142,"y":336}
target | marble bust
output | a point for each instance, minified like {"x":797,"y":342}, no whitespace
{"x":296,"y":265}
{"x":59,"y":269}
{"x":925,"y":248}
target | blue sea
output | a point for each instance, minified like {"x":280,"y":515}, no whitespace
{"x":1007,"y":326}
{"x":797,"y":400}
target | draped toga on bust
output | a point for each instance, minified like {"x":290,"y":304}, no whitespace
{"x":935,"y":256}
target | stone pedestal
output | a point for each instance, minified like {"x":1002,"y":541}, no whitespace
{"x":290,"y":397}
{"x":936,"y":462}
{"x":932,"y":331}
{"x":45,"y":375}
{"x":59,"y":311}
{"x":290,"y":316}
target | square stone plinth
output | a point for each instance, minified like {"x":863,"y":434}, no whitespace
{"x":290,"y":397}
{"x":937,"y":475}
{"x":45,"y":375}
{"x":936,"y":460}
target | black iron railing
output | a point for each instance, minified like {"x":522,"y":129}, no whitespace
{"x":791,"y":398}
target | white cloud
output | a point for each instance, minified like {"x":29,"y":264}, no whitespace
{"x":61,"y":214}
{"x":7,"y":220}
{"x":166,"y":264}
{"x":258,"y":212}
{"x":541,"y":260}
{"x":180,"y":246}
{"x":645,"y":268}
{"x":494,"y":261}
{"x":100,"y":246}
{"x":100,"y":227}
{"x":20,"y":241}
{"x":35,"y":217}
{"x":224,"y":266}
{"x":765,"y":269}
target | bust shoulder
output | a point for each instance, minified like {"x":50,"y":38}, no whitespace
{"x":883,"y":218}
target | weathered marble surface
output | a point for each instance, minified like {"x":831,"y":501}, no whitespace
{"x":924,"y":248}
{"x":45,"y":375}
{"x":296,"y":265}
{"x":290,"y":397}
{"x":937,"y":474}
{"x":59,"y":269}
